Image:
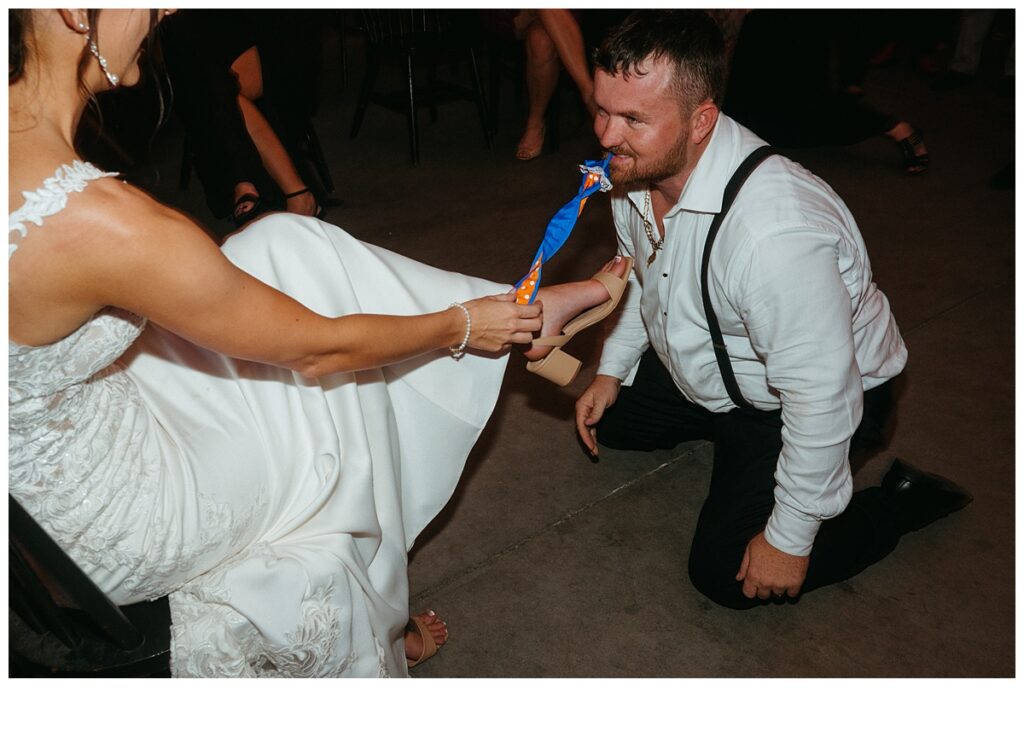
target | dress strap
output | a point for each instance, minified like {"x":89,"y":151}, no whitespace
{"x":52,"y":197}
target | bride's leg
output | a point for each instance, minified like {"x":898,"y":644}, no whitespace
{"x":563,"y":302}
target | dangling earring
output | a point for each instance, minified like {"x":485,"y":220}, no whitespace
{"x":113,"y":78}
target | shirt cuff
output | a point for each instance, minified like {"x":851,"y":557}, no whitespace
{"x":621,"y":366}
{"x":791,"y":532}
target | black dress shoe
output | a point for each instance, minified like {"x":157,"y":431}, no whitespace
{"x":920,"y":497}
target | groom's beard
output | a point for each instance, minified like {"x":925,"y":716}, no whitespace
{"x":640,"y":174}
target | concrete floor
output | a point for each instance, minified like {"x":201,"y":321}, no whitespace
{"x":585,"y":576}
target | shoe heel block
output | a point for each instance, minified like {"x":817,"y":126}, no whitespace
{"x":558,"y":367}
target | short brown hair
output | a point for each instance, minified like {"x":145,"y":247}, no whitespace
{"x":689,"y":39}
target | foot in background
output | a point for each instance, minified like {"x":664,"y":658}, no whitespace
{"x":248,"y":205}
{"x":911,"y":142}
{"x":531,"y":144}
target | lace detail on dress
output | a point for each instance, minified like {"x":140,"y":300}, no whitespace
{"x":310,"y":647}
{"x":52,"y":197}
{"x":210,"y":638}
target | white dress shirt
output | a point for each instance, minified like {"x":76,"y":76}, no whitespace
{"x":805,"y":326}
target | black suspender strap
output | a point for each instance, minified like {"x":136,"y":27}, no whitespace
{"x":731,"y":190}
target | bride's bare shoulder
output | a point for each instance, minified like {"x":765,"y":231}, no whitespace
{"x":113,"y":218}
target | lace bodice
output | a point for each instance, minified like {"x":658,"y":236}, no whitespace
{"x":71,"y":407}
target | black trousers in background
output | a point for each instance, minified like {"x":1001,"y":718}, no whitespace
{"x":199,"y":47}
{"x":781,"y":85}
{"x":653,"y":414}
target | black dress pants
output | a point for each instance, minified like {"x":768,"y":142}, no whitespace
{"x":653,"y":414}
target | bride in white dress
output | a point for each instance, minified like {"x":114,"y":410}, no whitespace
{"x":184,"y":428}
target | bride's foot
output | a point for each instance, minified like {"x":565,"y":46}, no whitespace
{"x":565,"y":301}
{"x":532,"y":142}
{"x":414,"y":641}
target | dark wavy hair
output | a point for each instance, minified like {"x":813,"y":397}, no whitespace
{"x":20,"y":47}
{"x":688,"y":39}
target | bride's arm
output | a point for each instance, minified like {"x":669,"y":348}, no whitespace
{"x":164,"y":267}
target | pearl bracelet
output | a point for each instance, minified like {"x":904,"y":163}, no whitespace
{"x":459,"y":351}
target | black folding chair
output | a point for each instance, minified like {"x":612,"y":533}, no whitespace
{"x":419,"y":38}
{"x":61,"y":624}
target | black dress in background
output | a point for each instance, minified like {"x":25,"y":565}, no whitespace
{"x":784,"y":83}
{"x":199,"y":48}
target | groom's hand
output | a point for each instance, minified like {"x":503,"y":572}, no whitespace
{"x":590,"y":408}
{"x":766,"y":571}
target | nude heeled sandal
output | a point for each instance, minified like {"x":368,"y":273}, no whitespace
{"x":559,"y":367}
{"x":419,"y":626}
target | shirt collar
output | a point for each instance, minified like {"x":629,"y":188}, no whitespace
{"x":705,"y":186}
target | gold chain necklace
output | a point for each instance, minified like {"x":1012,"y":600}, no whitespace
{"x":656,"y":245}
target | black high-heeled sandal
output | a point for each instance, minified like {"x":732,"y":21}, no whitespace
{"x":240,"y":217}
{"x":913,"y":163}
{"x":320,"y":212}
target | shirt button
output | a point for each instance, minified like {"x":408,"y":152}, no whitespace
{"x":664,"y":275}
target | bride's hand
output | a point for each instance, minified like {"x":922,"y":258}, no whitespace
{"x":498,"y":322}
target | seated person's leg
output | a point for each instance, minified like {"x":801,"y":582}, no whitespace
{"x":226,"y":159}
{"x":249,"y":74}
{"x":563,"y":29}
{"x":275,"y":158}
{"x":542,"y":70}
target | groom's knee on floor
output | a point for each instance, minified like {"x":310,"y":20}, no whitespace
{"x":715,"y":578}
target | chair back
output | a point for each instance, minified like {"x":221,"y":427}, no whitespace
{"x":405,"y":28}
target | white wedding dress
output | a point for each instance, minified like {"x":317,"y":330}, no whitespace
{"x":275,"y":511}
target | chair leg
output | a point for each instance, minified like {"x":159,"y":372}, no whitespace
{"x":494,"y":76}
{"x":316,"y":154}
{"x":432,"y":89}
{"x":364,"y":96}
{"x":553,"y":119}
{"x":37,"y":607}
{"x":344,"y":58}
{"x":414,"y":144}
{"x":481,"y":106}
